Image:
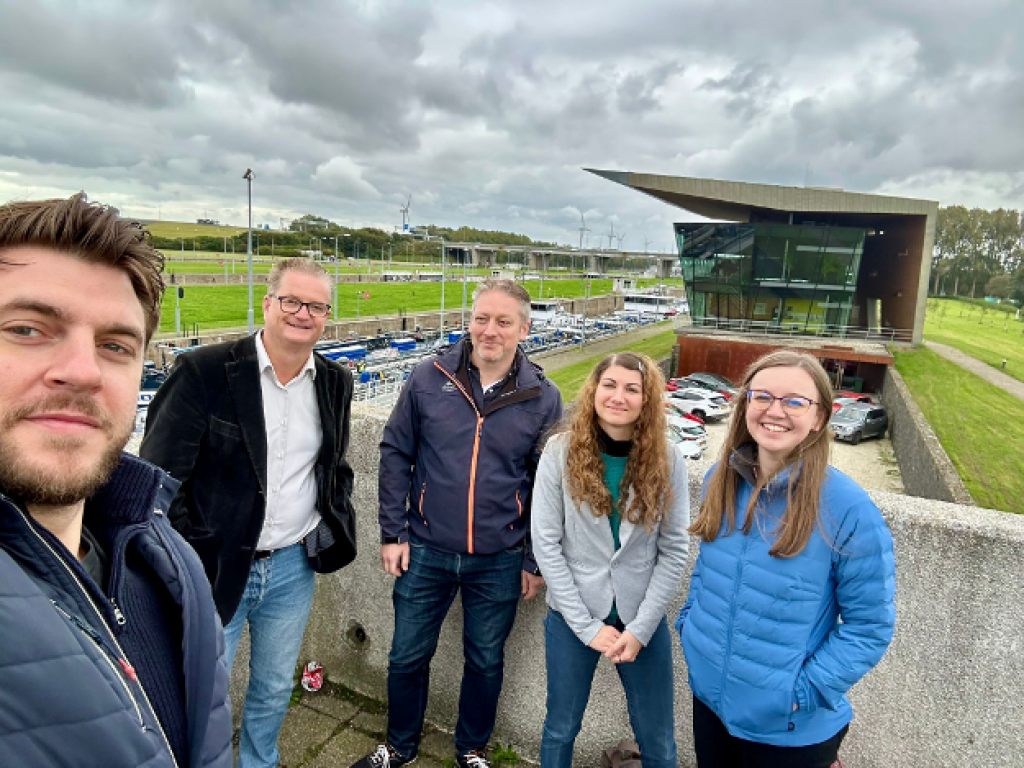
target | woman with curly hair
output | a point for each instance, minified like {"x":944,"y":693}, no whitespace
{"x":609,"y":517}
{"x":792,"y":597}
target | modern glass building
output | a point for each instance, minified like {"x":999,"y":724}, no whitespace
{"x":799,"y":260}
{"x":768,"y":276}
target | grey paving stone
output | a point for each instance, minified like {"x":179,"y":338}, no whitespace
{"x":343,"y":750}
{"x":332,"y":706}
{"x":303,"y":730}
{"x":370,"y":723}
{"x":438,"y":744}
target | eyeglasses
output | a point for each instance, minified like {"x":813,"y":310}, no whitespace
{"x":760,"y":400}
{"x":293,"y":306}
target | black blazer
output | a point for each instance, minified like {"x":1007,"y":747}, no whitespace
{"x":205,"y":427}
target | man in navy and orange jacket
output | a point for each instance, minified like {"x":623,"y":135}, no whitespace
{"x":458,"y":459}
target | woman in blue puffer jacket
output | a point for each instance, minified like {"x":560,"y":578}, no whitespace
{"x":792,"y":597}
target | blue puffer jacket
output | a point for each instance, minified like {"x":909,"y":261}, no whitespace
{"x":472,"y":465}
{"x":69,"y":697}
{"x":763,"y":633}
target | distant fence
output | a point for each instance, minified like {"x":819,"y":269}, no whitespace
{"x":788,"y":328}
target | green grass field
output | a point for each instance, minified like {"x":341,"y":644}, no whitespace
{"x":980,"y":426}
{"x":990,"y":335}
{"x":224,"y":306}
{"x":572,"y":377}
{"x":182,"y":229}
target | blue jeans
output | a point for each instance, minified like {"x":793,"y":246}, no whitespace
{"x":276,"y":603}
{"x":491,"y":586}
{"x":647,"y":682}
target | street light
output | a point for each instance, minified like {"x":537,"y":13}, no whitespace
{"x":248,"y":177}
{"x":336,"y":275}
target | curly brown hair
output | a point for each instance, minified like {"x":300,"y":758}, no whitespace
{"x":803,"y":492}
{"x":90,"y":232}
{"x":647,"y":470}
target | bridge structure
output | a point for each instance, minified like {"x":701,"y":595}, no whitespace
{"x":540,"y":258}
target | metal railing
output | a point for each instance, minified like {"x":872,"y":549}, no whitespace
{"x":796,"y":329}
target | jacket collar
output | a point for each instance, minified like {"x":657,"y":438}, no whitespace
{"x":744,"y":461}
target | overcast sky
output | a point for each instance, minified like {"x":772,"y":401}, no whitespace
{"x":485,"y":112}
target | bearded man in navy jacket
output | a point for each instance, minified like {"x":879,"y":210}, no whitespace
{"x":111,"y":653}
{"x":457,"y":463}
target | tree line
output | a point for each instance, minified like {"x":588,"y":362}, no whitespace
{"x":979,"y":253}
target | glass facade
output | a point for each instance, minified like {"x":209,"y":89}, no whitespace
{"x":796,"y":278}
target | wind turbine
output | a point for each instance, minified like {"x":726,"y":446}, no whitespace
{"x":583,"y":230}
{"x":611,"y":234}
{"x":405,"y":214}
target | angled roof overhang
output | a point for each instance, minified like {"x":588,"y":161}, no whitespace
{"x":736,"y":200}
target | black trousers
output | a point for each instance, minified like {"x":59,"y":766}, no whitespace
{"x":717,"y":748}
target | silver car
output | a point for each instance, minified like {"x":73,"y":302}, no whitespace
{"x":856,"y":421}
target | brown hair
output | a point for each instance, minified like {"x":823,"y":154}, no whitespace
{"x":803,"y":493}
{"x":647,"y":471}
{"x":299,"y":264}
{"x":93,"y":233}
{"x":510,"y":288}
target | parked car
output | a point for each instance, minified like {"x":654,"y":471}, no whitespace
{"x":671,"y":409}
{"x":707,"y":406}
{"x":856,"y":421}
{"x":692,"y":449}
{"x":712,"y":382}
{"x":847,"y":398}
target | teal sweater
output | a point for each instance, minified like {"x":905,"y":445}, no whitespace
{"x":615,"y":454}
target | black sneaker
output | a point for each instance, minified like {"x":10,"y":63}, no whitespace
{"x":384,"y":756}
{"x":475,"y":759}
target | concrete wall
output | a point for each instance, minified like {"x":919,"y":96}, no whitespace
{"x":950,"y":692}
{"x":926,"y":468}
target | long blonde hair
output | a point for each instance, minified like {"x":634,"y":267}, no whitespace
{"x":647,"y":470}
{"x":803,"y":492}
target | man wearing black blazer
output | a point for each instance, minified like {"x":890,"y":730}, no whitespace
{"x":256,"y":431}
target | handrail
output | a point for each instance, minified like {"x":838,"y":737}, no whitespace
{"x":795,"y":329}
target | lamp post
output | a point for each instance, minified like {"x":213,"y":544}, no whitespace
{"x":336,"y":275}
{"x":442,"y":287}
{"x":248,"y":177}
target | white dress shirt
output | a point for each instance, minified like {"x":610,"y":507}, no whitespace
{"x":294,"y":435}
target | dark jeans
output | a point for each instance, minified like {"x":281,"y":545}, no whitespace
{"x":647,"y":682}
{"x":491,"y":586}
{"x":717,"y":748}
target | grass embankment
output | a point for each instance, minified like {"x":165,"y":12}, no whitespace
{"x":224,"y":306}
{"x":571,"y":378}
{"x":988,"y":334}
{"x":980,"y":426}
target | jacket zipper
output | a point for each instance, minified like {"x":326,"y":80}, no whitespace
{"x":732,"y":612}
{"x":122,"y":666}
{"x":472,"y":465}
{"x":122,"y":657}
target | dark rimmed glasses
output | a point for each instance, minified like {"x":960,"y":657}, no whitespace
{"x":292,"y":306}
{"x":760,"y":400}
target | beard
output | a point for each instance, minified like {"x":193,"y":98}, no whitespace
{"x":64,"y":477}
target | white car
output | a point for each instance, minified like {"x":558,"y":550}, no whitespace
{"x":687,"y":426}
{"x":691,"y":447}
{"x":705,"y":405}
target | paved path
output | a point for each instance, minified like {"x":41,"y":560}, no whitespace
{"x":975,"y":366}
{"x":335,"y":729}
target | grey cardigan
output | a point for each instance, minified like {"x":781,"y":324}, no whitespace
{"x":576,"y":553}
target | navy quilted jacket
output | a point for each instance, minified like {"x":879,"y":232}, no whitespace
{"x":69,"y":697}
{"x":763,"y":633}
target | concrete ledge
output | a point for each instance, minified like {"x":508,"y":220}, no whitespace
{"x":926,"y":467}
{"x":950,"y":692}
